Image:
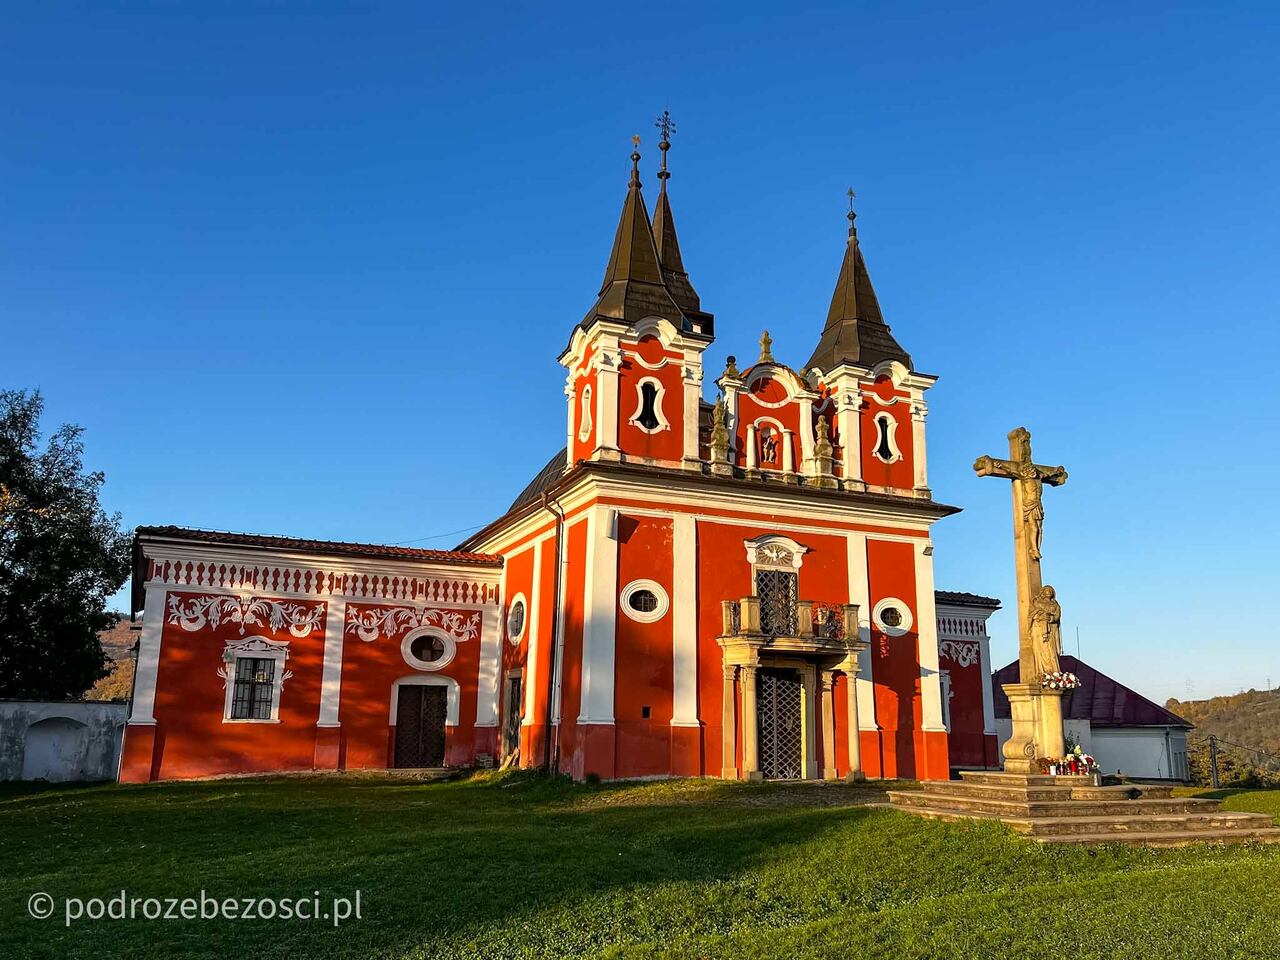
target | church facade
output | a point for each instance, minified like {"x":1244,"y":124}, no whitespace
{"x":739,"y":589}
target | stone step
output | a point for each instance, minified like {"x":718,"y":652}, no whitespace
{"x":1121,"y":808}
{"x":990,"y":791}
{"x":1179,"y":838}
{"x":959,"y":804}
{"x":1024,"y":809}
{"x":1220,"y":822}
{"x":1000,"y":778}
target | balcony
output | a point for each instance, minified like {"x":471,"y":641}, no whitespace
{"x":804,"y":626}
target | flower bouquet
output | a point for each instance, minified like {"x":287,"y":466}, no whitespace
{"x":1060,"y":680}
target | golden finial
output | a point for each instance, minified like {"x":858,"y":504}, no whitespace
{"x":731,"y":367}
{"x":852,"y":216}
{"x":635,"y":159}
{"x":766,"y":348}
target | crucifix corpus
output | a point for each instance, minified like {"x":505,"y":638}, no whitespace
{"x":1036,"y":712}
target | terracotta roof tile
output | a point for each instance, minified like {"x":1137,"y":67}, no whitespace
{"x":333,"y":547}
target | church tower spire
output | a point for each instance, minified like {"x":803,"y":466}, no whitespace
{"x":855,"y":331}
{"x":664,"y":231}
{"x":633,"y":285}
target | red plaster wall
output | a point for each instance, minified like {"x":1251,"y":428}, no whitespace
{"x":571,"y":760}
{"x":368,"y":671}
{"x":895,"y":663}
{"x":191,"y":739}
{"x":966,"y":742}
{"x":749,"y":411}
{"x":900,"y":473}
{"x":666,"y":444}
{"x":643,"y":654}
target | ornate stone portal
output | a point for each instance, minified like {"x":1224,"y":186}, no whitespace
{"x":1036,"y":712}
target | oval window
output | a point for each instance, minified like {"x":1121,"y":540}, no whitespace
{"x":643,"y":601}
{"x":891,"y":617}
{"x":515,"y":620}
{"x":427,"y":648}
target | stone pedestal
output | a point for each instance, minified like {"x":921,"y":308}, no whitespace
{"x":1037,"y":726}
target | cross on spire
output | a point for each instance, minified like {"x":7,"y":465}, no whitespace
{"x":666,"y":127}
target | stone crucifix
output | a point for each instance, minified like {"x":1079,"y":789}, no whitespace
{"x":1038,"y":613}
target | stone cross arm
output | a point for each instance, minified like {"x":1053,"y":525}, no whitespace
{"x":1019,"y":466}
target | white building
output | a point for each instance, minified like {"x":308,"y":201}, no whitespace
{"x":1123,"y":730}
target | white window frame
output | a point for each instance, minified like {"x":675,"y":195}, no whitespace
{"x":513,"y":637}
{"x":877,"y":614}
{"x":642,"y":616}
{"x":657,"y":406}
{"x":890,"y":434}
{"x":259,"y":648}
{"x":584,"y":415}
{"x":450,"y":648}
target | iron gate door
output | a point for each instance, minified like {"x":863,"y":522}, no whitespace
{"x":420,"y":717}
{"x":779,"y":703}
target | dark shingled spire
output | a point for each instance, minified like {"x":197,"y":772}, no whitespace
{"x":664,"y":231}
{"x":633,"y":285}
{"x":855,"y":330}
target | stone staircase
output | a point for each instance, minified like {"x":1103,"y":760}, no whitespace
{"x":1051,"y":809}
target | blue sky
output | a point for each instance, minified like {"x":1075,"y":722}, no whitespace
{"x":305,"y":269}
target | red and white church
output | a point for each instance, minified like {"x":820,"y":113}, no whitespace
{"x":737,"y":589}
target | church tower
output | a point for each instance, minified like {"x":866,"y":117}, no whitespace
{"x":635,"y":361}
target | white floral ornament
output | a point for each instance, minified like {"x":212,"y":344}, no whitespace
{"x":391,"y":620}
{"x":300,"y":619}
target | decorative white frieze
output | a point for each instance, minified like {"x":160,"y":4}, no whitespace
{"x":193,"y":613}
{"x":367,"y":623}
{"x":964,"y":654}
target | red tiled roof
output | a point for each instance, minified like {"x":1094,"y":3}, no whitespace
{"x":1099,"y":699}
{"x":333,"y":547}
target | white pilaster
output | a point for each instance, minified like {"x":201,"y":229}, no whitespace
{"x":806,"y":435}
{"x":533,"y":632}
{"x":571,"y":401}
{"x":850,"y":421}
{"x":751,"y":446}
{"x":984,"y":664}
{"x":860,"y":593}
{"x":927,"y":646}
{"x":487,"y":681}
{"x":148,"y":665}
{"x":684,"y":621}
{"x":600,"y":607}
{"x":692,"y":404}
{"x":331,"y":673}
{"x":919,"y":411}
{"x":788,"y":454}
{"x":607,"y":400}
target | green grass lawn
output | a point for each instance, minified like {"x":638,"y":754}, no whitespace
{"x":513,"y":866}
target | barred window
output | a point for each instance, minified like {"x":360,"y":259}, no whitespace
{"x":255,"y":684}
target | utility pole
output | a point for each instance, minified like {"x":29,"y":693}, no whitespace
{"x":1213,"y":760}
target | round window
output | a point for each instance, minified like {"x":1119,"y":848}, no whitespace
{"x":892,"y":616}
{"x":515,"y":620}
{"x":428,"y":649}
{"x":643,"y":601}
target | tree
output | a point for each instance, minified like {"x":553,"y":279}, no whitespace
{"x":61,"y":558}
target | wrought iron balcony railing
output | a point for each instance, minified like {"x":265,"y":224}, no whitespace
{"x":807,"y":620}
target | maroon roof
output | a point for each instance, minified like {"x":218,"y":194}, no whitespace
{"x":1099,"y":699}
{"x":958,"y":599}
{"x":333,"y":547}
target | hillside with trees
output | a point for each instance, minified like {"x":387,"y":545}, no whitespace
{"x":1247,"y":726}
